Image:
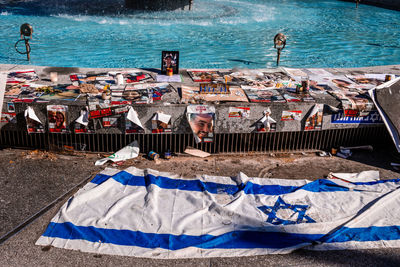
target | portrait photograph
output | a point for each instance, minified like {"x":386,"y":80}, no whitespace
{"x":170,"y":59}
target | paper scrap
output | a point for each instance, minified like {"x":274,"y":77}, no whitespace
{"x":128,"y":152}
{"x":196,"y":152}
{"x":133,"y":117}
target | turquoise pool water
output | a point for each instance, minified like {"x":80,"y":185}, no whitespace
{"x":216,"y":34}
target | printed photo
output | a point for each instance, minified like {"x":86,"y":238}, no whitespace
{"x":170,"y":59}
{"x":291,"y":115}
{"x":239,"y":112}
{"x":110,"y":122}
{"x":314,"y":120}
{"x":204,"y":75}
{"x":202,"y":120}
{"x":57,"y":118}
{"x":8,"y":117}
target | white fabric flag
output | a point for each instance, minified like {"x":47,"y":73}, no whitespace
{"x":146,"y":213}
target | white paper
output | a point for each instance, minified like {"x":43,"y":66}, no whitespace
{"x":83,"y":118}
{"x":165,"y":118}
{"x":176,"y":78}
{"x":30,"y":113}
{"x":129,"y":152}
{"x":133,"y":117}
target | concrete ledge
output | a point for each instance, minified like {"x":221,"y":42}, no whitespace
{"x":388,"y":4}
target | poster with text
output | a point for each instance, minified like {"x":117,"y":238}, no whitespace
{"x":202,"y":120}
{"x":57,"y":118}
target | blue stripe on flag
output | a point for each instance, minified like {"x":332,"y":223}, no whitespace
{"x":321,"y":185}
{"x":372,"y":233}
{"x":231,"y":240}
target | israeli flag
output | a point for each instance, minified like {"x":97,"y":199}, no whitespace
{"x":146,"y":213}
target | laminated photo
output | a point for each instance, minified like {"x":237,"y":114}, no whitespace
{"x":161,"y":123}
{"x":354,"y":104}
{"x":268,"y":96}
{"x":33,"y":123}
{"x":201,"y":119}
{"x":204,"y":75}
{"x":291,"y":115}
{"x":369,"y":81}
{"x":138,"y":94}
{"x":57,"y":118}
{"x":314,"y":119}
{"x":239,"y":112}
{"x":211,"y":93}
{"x":291,"y":96}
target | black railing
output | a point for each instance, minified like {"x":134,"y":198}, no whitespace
{"x":223,"y":142}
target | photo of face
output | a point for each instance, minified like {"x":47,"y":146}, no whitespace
{"x":170,"y":59}
{"x":57,"y":118}
{"x":202,"y":124}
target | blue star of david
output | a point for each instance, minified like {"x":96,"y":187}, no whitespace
{"x":280,"y":204}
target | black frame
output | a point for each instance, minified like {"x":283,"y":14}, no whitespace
{"x":174,"y":54}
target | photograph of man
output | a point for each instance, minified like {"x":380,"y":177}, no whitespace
{"x":202,"y":125}
{"x":170,"y":59}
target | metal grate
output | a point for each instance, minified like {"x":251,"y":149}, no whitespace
{"x":223,"y":142}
